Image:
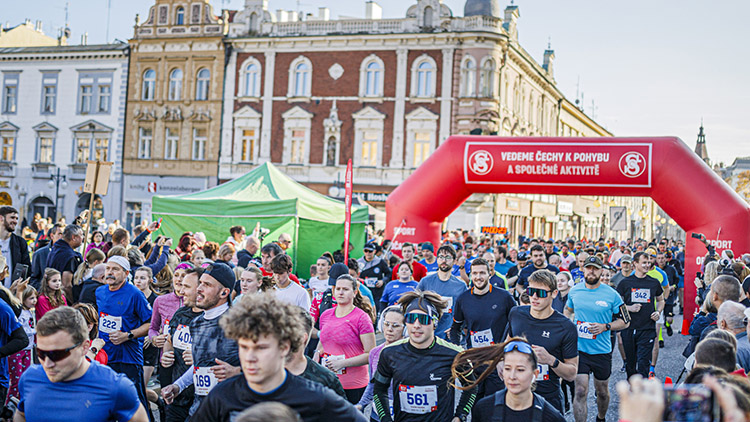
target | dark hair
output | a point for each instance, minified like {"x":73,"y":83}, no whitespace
{"x":464,"y":363}
{"x":482,"y":261}
{"x":695,"y":376}
{"x":194,"y":270}
{"x":272,"y":249}
{"x":638,"y":255}
{"x":281,"y":263}
{"x":716,"y":352}
{"x":359,"y":300}
{"x":398,"y":267}
{"x":119,"y":235}
{"x":210,"y":249}
{"x":65,"y":319}
{"x":91,"y":316}
{"x":353,"y":265}
{"x":5,"y":210}
{"x":450,"y":250}
{"x":502,"y":251}
{"x":268,"y":411}
{"x":236,"y":229}
{"x":429,"y":296}
{"x":537,"y":248}
{"x":407,"y":245}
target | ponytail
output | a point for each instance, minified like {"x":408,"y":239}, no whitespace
{"x":466,"y":362}
{"x":92,"y":256}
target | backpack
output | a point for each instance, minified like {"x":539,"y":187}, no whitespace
{"x":326,"y":303}
{"x":539,"y":405}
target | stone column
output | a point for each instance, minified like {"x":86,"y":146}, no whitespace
{"x":267,"y":121}
{"x":397,"y":152}
{"x":446,"y":95}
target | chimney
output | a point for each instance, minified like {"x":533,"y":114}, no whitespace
{"x":549,"y":61}
{"x":38,"y":26}
{"x":324,"y":13}
{"x":292,"y":16}
{"x":373,"y":11}
{"x":280,"y":15}
{"x":85,"y":38}
{"x":511,"y":21}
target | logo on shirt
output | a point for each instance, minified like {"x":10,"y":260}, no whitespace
{"x":434,"y":378}
{"x":602,"y":303}
{"x":494,"y":306}
{"x":545,"y":334}
{"x":376,"y":270}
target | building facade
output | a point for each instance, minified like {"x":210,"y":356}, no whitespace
{"x":308,"y":93}
{"x":61,"y":106}
{"x":173,"y":119}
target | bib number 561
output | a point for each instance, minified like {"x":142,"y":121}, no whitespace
{"x":416,"y":399}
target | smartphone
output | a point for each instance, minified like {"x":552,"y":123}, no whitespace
{"x":690,"y":403}
{"x":696,"y":235}
{"x":158,"y":224}
{"x":20,"y":271}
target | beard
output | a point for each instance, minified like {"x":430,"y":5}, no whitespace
{"x":591,"y":280}
{"x":445,"y":267}
{"x":9,"y":227}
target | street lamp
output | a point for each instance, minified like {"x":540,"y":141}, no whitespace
{"x":55,"y":181}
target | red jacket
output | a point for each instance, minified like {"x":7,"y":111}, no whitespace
{"x":420,"y":271}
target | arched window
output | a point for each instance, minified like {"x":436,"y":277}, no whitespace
{"x":487,"y":79}
{"x":468,"y":77}
{"x":423,"y":77}
{"x":371,"y":77}
{"x":201,"y":86}
{"x":251,"y":79}
{"x":428,"y":16}
{"x":180,"y":16}
{"x":253,"y":22}
{"x":300,"y":76}
{"x":149,"y":85}
{"x":175,"y":85}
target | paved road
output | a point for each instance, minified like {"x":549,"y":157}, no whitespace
{"x":670,"y":364}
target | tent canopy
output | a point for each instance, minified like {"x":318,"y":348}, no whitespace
{"x":265,"y":195}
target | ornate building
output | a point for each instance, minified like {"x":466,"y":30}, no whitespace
{"x":173,"y":119}
{"x":307,"y":92}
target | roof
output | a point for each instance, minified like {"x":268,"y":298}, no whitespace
{"x":64,"y":49}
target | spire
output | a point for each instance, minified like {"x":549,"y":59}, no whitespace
{"x":700,"y":146}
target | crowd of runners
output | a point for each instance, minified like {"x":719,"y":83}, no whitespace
{"x":136,"y":327}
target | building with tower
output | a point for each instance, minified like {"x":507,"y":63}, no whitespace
{"x":700,"y":146}
{"x":173,"y":118}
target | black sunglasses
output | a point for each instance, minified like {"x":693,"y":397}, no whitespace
{"x":55,"y":355}
{"x":413,"y":317}
{"x":541,"y":293}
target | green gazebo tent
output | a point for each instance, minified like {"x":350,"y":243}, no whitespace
{"x":265,"y":195}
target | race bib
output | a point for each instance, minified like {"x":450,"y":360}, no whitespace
{"x":449,"y":307}
{"x":584,"y":330}
{"x":204,"y":380}
{"x":325,"y":357}
{"x":165,"y":327}
{"x":543,"y":372}
{"x":371,"y":281}
{"x":181,"y":338}
{"x":482,"y":338}
{"x":640,"y":295}
{"x":109,"y":323}
{"x":418,"y":400}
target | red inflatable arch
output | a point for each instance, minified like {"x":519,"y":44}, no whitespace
{"x":663,"y":168}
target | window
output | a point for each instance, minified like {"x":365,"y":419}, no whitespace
{"x":468,"y":77}
{"x":46,"y":148}
{"x":300,"y":72}
{"x":298,"y":147}
{"x":101,"y":149}
{"x":49,"y":93}
{"x":251,"y":80}
{"x":180,"y":16}
{"x":83,"y":146}
{"x":132,"y":215}
{"x":175,"y":85}
{"x":247,"y":145}
{"x":171,"y":143}
{"x":371,"y":84}
{"x":428,"y":13}
{"x":145,"y":137}
{"x":87,"y":93}
{"x":370,"y":149}
{"x":423,"y":77}
{"x":199,"y":144}
{"x":10,"y":96}
{"x":422,"y":141}
{"x":149,"y":85}
{"x":201,"y":86}
{"x":8,"y":147}
{"x":105,"y":94}
{"x":487,"y":79}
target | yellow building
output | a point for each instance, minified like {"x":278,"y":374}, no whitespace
{"x":29,"y":34}
{"x":173,"y":118}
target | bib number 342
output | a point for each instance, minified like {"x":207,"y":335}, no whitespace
{"x":417,"y":399}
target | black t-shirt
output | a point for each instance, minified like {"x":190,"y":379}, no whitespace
{"x":312,"y":401}
{"x":528,"y":270}
{"x":480,"y":314}
{"x":182,"y":317}
{"x":512,"y":271}
{"x":557,"y":334}
{"x":317,"y":373}
{"x":644,"y":291}
{"x":485,"y":408}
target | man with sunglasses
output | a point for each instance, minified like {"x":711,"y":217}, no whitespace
{"x":644,"y":299}
{"x":124,"y":319}
{"x":539,"y":261}
{"x":597,"y":308}
{"x":444,"y":283}
{"x":420,"y":368}
{"x":554,"y":337}
{"x":65,"y":386}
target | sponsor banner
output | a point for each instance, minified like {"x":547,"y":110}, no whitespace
{"x":558,"y":164}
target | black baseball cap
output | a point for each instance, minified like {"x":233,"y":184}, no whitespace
{"x":222,"y":273}
{"x":369,"y":247}
{"x":593,"y":261}
{"x":522,"y":256}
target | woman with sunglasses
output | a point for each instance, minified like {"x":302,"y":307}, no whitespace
{"x":516,"y":362}
{"x":417,"y":371}
{"x":392,"y":327}
{"x":553,"y":337}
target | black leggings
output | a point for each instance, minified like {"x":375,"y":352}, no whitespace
{"x":354,"y":394}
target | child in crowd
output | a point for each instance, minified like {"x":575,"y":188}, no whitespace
{"x":19,"y":362}
{"x":51,"y":295}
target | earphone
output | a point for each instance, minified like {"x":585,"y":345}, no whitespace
{"x":381,"y":328}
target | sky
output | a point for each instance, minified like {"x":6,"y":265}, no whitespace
{"x":642,"y":67}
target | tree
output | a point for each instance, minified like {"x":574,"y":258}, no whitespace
{"x":742,"y":185}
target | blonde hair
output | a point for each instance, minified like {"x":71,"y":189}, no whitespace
{"x":92,"y":256}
